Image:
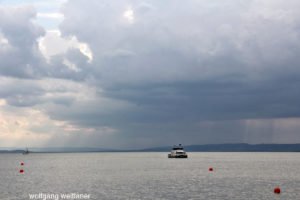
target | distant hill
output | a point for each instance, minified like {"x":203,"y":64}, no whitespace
{"x":69,"y":149}
{"x":240,"y":147}
{"x":12,"y":151}
{"x":61,"y":150}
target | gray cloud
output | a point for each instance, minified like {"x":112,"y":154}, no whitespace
{"x":195,"y":72}
{"x":219,"y":57}
{"x":20,"y":56}
{"x":19,"y":51}
{"x":184,"y":63}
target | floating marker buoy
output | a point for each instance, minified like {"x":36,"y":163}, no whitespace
{"x":211,"y":169}
{"x":21,"y":171}
{"x":277,"y":190}
{"x":22,"y":163}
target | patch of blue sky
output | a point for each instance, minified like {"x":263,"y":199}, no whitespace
{"x":48,"y":11}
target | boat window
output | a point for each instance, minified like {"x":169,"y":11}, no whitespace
{"x":177,"y":148}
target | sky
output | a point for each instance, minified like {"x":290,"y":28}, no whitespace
{"x":134,"y":74}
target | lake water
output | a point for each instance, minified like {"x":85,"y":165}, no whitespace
{"x":151,"y":176}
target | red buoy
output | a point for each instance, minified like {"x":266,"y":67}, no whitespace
{"x":22,"y":163}
{"x":21,"y":171}
{"x":277,"y":190}
{"x":211,"y":169}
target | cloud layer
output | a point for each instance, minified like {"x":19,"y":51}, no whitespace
{"x":149,"y":73}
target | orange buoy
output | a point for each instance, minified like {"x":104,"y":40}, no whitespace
{"x":22,"y":163}
{"x":277,"y":190}
{"x":211,"y":169}
{"x":21,"y":171}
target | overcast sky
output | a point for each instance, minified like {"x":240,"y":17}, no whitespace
{"x":139,"y":73}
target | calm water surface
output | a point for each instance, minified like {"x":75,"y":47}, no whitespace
{"x":152,"y":175}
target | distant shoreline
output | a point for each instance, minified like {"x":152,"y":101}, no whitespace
{"x":239,"y":147}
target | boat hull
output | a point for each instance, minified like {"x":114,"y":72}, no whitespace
{"x":177,"y":156}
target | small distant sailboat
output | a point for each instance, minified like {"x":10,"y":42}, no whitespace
{"x":26,"y":151}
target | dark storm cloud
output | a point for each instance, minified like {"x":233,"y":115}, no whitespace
{"x":180,"y":64}
{"x":206,"y":60}
{"x":193,"y":71}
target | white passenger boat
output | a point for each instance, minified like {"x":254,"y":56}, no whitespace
{"x":177,"y":152}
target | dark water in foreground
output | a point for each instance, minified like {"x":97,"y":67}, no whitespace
{"x":152,"y":176}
